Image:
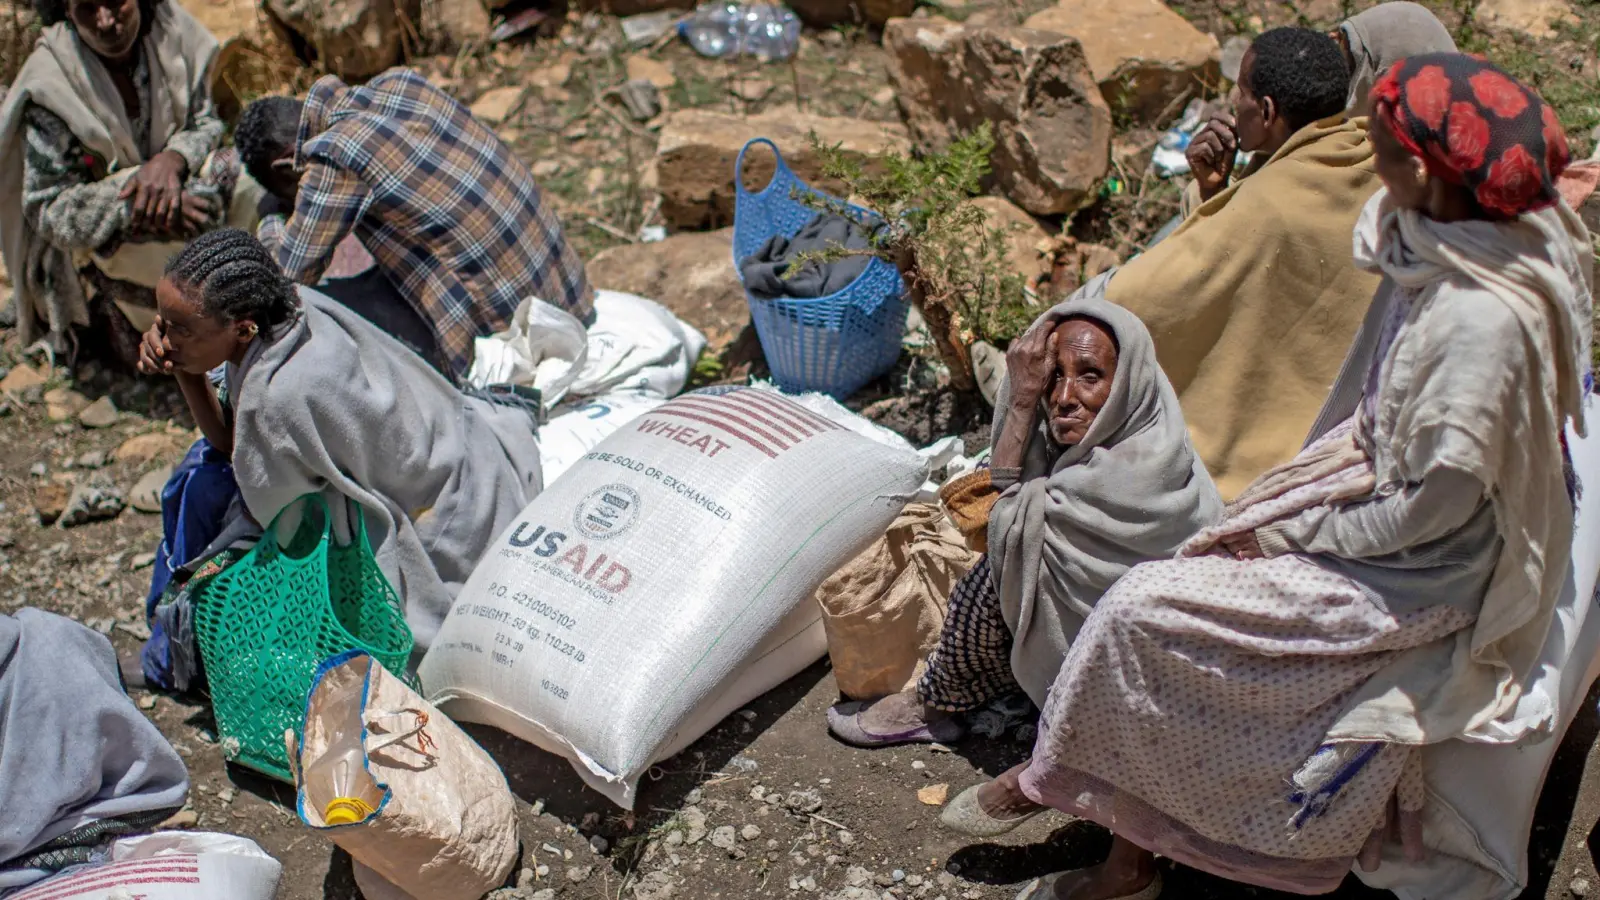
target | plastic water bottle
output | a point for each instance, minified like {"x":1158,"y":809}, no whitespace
{"x":336,"y":781}
{"x":767,"y":31}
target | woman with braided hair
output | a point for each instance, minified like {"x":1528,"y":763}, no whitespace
{"x":1262,"y":706}
{"x":322,"y":400}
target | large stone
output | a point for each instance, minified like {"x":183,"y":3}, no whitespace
{"x":354,"y":39}
{"x":827,"y":13}
{"x":691,"y":274}
{"x":101,"y":413}
{"x":497,"y":104}
{"x":50,"y":501}
{"x":145,"y":496}
{"x":1023,"y":237}
{"x":147,"y":448}
{"x":1052,"y":127}
{"x":695,"y":157}
{"x":91,"y":501}
{"x":256,"y":61}
{"x":640,"y":66}
{"x":1535,"y":18}
{"x":61,"y":404}
{"x":20,"y":378}
{"x":1146,"y":58}
{"x":453,"y":24}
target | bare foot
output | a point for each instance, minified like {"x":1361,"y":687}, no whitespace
{"x":1127,"y":871}
{"x":1099,"y":883}
{"x":898,"y":713}
{"x":1003,"y":798}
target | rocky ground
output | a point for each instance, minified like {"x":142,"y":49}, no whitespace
{"x":767,"y":804}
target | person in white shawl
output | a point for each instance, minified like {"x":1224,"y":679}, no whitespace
{"x":324,"y":401}
{"x":1096,"y":474}
{"x":108,"y":160}
{"x":1256,"y":707}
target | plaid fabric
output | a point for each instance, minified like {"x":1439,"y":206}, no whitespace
{"x":971,"y":664}
{"x":449,"y":213}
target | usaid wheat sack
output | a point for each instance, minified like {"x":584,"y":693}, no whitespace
{"x":664,"y":580}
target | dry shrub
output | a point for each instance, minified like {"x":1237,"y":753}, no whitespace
{"x":254,"y":64}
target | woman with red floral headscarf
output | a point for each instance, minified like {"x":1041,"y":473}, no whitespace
{"x":1258,"y":707}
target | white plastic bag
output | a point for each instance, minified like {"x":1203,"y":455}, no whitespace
{"x":667,"y":577}
{"x":634,"y":344}
{"x":169,"y":865}
{"x":441,"y":823}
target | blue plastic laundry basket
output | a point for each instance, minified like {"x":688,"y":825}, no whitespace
{"x":833,"y":344}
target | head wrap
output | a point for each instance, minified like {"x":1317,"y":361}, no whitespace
{"x":1475,"y":126}
{"x":1131,"y":491}
{"x":1384,"y":35}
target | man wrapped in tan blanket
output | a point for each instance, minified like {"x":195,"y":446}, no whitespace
{"x":1253,"y":301}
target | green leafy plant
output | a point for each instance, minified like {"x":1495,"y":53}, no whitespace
{"x":953,"y":261}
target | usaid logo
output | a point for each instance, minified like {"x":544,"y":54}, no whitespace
{"x":606,"y":512}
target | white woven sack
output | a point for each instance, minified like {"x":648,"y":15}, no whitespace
{"x":664,"y":579}
{"x":169,"y":865}
{"x":445,"y":823}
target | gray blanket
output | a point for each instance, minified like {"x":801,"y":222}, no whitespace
{"x":78,"y":763}
{"x":333,"y":404}
{"x":1079,"y":517}
{"x":768,"y":273}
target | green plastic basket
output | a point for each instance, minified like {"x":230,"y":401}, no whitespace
{"x":266,"y":623}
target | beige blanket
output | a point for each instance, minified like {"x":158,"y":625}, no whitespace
{"x":1253,"y":301}
{"x":64,"y":77}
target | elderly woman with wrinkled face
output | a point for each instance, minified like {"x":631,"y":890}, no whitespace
{"x":1095,"y":474}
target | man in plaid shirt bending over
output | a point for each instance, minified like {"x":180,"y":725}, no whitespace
{"x":452,"y":217}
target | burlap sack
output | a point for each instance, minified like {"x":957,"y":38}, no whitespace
{"x":968,"y":500}
{"x":883,"y":611}
{"x":445,"y":825}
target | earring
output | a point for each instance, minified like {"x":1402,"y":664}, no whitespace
{"x":254,"y":329}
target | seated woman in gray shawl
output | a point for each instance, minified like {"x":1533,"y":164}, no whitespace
{"x":322,"y":400}
{"x":108,"y":160}
{"x":79,"y":765}
{"x":1097,"y":475}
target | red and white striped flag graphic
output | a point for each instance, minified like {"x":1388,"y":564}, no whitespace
{"x":764,"y":420}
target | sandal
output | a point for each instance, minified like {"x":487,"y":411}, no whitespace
{"x":965,"y":815}
{"x":844,"y":720}
{"x":1042,"y":888}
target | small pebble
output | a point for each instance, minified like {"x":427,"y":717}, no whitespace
{"x":599,"y":844}
{"x":579,"y":874}
{"x":826,"y":781}
{"x":226,"y":795}
{"x":918,"y":766}
{"x":808,"y":884}
{"x":758,"y":793}
{"x":693,"y":797}
{"x":37,"y":470}
{"x":723,"y":837}
{"x":674,"y":838}
{"x":750,"y":832}
{"x":898,"y":875}
{"x":525,"y":879}
{"x":772,"y":844}
{"x":538,"y":807}
{"x":541,"y":871}
{"x":845,"y":837}
{"x":1579,"y":887}
{"x":914,"y":880}
{"x":147,"y":702}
